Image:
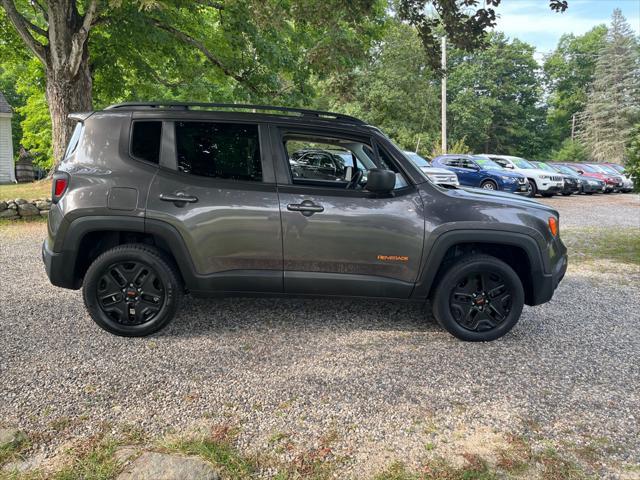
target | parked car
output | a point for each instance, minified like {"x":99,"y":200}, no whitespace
{"x":545,"y":183}
{"x":571,"y":182}
{"x":480,"y":172}
{"x":153,"y":200}
{"x":627,"y":183}
{"x":612,"y":182}
{"x":587,"y":185}
{"x":439,"y":176}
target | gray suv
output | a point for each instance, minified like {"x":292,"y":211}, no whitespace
{"x":155,"y":200}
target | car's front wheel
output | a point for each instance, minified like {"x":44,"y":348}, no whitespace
{"x":531,"y":188}
{"x":479,"y":298}
{"x":489,"y":185}
{"x":132,"y":290}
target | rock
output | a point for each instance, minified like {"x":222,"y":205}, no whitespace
{"x":10,"y":437}
{"x":27,"y":210}
{"x":153,"y":465}
{"x":10,"y":214}
{"x":20,"y":201}
{"x":12,"y":205}
{"x":125,"y":454}
{"x":44,"y":213}
{"x":42,"y":204}
{"x":3,"y":206}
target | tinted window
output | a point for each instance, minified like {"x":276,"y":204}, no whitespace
{"x":219,"y":150}
{"x":75,"y":139}
{"x":145,"y":141}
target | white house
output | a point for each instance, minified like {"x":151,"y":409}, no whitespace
{"x":7,"y":172}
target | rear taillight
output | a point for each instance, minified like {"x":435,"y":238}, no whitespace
{"x":59,"y":186}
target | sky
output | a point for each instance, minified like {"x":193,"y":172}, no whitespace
{"x":535,"y":23}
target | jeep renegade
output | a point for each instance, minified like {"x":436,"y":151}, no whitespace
{"x":154,"y":200}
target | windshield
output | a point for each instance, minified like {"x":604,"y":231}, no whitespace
{"x":587,"y":168}
{"x":617,"y":168}
{"x":563,"y":169}
{"x":522,"y":163}
{"x":606,"y":169}
{"x":544,"y":166}
{"x":486,"y":163}
{"x":417,"y":159}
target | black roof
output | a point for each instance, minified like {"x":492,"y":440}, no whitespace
{"x":4,"y":105}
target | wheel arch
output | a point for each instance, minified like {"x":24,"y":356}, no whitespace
{"x":519,"y":250}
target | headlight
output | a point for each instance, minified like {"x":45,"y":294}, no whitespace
{"x":507,"y":179}
{"x":591,"y":182}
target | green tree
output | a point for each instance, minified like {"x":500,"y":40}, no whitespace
{"x":614,"y":99}
{"x":495,"y":98}
{"x":569,"y":72}
{"x":243,"y":49}
{"x":571,"y":151}
{"x":632,"y":166}
{"x":396,"y":90}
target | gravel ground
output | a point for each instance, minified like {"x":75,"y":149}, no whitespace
{"x":378,"y":381}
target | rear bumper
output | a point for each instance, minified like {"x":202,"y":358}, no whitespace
{"x":59,"y":268}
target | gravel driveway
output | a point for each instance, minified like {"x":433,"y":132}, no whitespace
{"x":381,"y":380}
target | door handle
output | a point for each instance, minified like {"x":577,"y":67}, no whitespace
{"x":307,"y":208}
{"x":178,"y":197}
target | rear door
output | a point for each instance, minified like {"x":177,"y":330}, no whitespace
{"x":339,"y":239}
{"x":216,"y":187}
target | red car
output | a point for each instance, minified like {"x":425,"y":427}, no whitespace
{"x":613,"y":183}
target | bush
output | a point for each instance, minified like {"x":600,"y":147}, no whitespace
{"x":632,"y":165}
{"x":571,"y":151}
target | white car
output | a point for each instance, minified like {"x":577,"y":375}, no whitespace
{"x":540,"y":181}
{"x":439,"y":176}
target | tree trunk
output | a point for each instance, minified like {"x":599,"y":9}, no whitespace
{"x":64,"y":96}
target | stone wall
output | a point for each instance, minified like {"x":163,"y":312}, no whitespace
{"x":21,"y":208}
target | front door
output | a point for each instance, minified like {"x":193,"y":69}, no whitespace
{"x":339,"y":239}
{"x":216,"y":190}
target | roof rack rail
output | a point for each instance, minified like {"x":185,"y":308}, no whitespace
{"x":241,"y":106}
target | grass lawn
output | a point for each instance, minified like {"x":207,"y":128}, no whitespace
{"x":621,"y":245}
{"x":28,"y":191}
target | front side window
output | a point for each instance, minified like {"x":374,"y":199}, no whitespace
{"x":329,"y":162}
{"x":145,"y":140}
{"x":522,"y":163}
{"x":219,"y":150}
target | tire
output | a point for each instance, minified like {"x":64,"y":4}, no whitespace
{"x":547,"y":195}
{"x":449,"y":301}
{"x":489,"y":185}
{"x":566,"y":194}
{"x":533,"y":189}
{"x":132,"y":290}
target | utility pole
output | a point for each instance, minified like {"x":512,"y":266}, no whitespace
{"x":573,"y":127}
{"x":443,"y":95}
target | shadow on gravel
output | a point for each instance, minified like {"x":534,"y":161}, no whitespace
{"x":206,"y":316}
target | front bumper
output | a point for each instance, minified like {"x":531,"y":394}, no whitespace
{"x":547,"y":284}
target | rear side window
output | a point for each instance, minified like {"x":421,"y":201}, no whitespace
{"x":145,"y":140}
{"x":219,"y":150}
{"x":75,"y":139}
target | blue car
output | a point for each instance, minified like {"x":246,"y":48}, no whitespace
{"x":482,"y":172}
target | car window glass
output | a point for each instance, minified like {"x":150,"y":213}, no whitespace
{"x":219,"y":150}
{"x":75,"y":139}
{"x":145,"y":140}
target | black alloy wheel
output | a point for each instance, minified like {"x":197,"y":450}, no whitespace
{"x":480,"y":301}
{"x":478,"y":298}
{"x":132,"y":290}
{"x":131,"y":293}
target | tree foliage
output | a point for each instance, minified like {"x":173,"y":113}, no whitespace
{"x":613,"y":102}
{"x":568,"y":74}
{"x":571,"y":151}
{"x":632,"y":165}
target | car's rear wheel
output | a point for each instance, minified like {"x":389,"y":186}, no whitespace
{"x":479,"y":298}
{"x":489,"y":185}
{"x":132,"y":290}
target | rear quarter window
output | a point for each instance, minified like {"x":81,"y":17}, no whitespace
{"x":145,"y":140}
{"x":74,"y":140}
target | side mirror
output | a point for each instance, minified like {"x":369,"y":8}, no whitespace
{"x":508,"y":165}
{"x":380,"y":180}
{"x":581,"y":172}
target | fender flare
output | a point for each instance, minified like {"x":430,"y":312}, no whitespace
{"x":446,"y":236}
